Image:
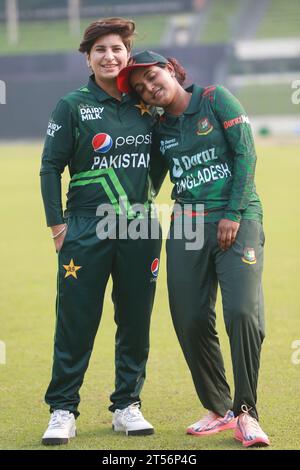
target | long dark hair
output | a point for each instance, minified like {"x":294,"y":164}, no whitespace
{"x":180,"y":72}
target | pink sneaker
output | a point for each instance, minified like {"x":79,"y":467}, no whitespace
{"x":212,"y":423}
{"x":249,"y":432}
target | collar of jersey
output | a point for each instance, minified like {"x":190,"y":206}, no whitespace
{"x":193,"y":106}
{"x":100,"y":94}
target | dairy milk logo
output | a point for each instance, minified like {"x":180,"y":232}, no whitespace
{"x":52,"y":128}
{"x":167,"y":144}
{"x":90,"y":113}
{"x":102,"y":142}
{"x":177,"y":169}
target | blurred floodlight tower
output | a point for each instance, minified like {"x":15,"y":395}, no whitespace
{"x":74,"y":17}
{"x":2,"y":92}
{"x":12,"y":21}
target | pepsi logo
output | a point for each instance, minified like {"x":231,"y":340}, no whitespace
{"x":154,"y":267}
{"x":102,"y":142}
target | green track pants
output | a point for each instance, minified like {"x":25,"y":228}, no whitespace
{"x":193,"y":277}
{"x":85,"y":264}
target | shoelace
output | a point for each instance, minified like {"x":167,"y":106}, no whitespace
{"x":133,"y":412}
{"x":246,"y":409}
{"x":251,"y":425}
{"x":58,"y":419}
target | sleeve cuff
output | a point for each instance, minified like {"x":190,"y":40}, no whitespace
{"x":57,"y":221}
{"x":235,"y":216}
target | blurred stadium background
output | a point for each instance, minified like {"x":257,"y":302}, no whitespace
{"x":250,"y":46}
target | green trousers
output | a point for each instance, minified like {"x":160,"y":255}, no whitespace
{"x":85,"y":263}
{"x":193,"y":278}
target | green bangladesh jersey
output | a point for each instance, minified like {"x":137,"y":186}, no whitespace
{"x":106,"y":145}
{"x":209,"y":152}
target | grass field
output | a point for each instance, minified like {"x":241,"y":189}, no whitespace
{"x":53,"y":36}
{"x":280,"y":21}
{"x":27,"y":279}
{"x":218,"y":28}
{"x":267,"y":99}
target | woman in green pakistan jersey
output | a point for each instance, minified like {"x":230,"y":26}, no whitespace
{"x":204,"y":139}
{"x":104,"y":138}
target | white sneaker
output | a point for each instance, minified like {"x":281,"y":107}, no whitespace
{"x":60,"y":429}
{"x":131,"y":421}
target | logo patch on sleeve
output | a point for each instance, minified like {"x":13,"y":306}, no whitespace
{"x":242,"y":119}
{"x":52,"y":128}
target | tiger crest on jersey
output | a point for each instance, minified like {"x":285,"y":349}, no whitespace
{"x":204,"y":127}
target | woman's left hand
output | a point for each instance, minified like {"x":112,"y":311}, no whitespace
{"x":227,"y":231}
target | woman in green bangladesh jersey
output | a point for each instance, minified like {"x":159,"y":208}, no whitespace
{"x":104,"y":138}
{"x":205,"y":141}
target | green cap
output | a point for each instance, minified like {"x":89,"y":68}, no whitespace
{"x":142,"y":59}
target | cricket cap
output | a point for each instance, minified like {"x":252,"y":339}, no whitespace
{"x":142,"y":59}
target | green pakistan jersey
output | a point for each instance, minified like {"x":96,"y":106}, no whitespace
{"x":106,"y":145}
{"x":209,"y":152}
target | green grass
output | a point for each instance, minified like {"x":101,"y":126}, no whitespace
{"x":221,"y":17}
{"x":281,"y":20}
{"x":268,"y":99}
{"x":54,"y":36}
{"x":27,"y":279}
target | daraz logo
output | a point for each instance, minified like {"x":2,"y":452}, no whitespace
{"x":177,"y":169}
{"x":238,"y":120}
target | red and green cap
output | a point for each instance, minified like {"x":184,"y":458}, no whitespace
{"x":142,"y":59}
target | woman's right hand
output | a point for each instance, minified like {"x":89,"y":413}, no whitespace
{"x":59,"y":240}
